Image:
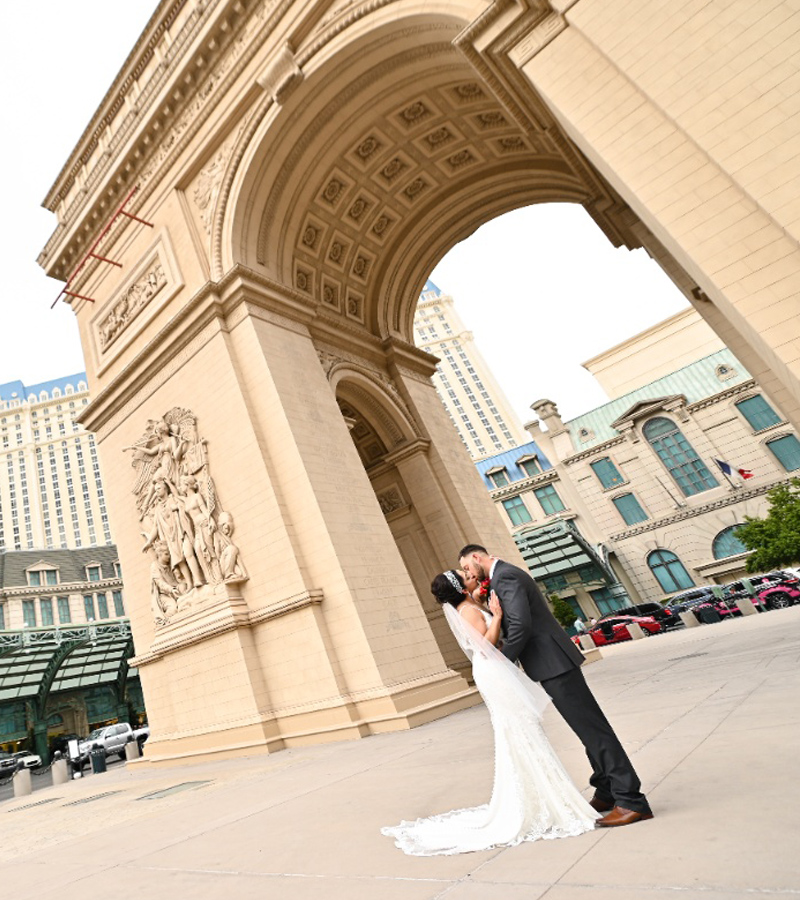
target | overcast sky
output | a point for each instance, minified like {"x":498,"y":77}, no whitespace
{"x":542,"y":288}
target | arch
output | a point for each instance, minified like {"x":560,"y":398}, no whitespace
{"x":372,"y":184}
{"x":726,"y":543}
{"x":378,"y":397}
{"x":678,"y":456}
{"x":669,"y":571}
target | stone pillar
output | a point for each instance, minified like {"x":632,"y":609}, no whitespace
{"x":586,"y":642}
{"x":709,"y":193}
{"x":132,"y":751}
{"x":635,"y":631}
{"x":325,"y":639}
{"x":747,"y":607}
{"x":60,"y":772}
{"x":22,"y":783}
{"x":689,"y":619}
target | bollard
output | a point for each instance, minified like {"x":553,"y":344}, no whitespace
{"x":22,"y":783}
{"x":132,"y":751}
{"x":635,"y":631}
{"x":60,"y":771}
{"x":586,"y":642}
{"x":689,"y":619}
{"x":747,"y":606}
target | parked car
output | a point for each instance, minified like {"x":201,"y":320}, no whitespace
{"x":664,"y":615}
{"x":112,"y":739}
{"x":704,"y":603}
{"x":613,"y":629}
{"x":10,"y":762}
{"x":774,"y":590}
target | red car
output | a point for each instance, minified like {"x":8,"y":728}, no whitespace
{"x":613,"y":629}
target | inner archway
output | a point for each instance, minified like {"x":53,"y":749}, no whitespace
{"x":396,"y":462}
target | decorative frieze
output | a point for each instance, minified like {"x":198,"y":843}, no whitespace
{"x":133,"y":300}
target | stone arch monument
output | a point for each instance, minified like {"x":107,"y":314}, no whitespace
{"x":270,"y":436}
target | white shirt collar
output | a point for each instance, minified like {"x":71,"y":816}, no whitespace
{"x":491,"y":571}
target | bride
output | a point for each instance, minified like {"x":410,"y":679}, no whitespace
{"x":532,"y":797}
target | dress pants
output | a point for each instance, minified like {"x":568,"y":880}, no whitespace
{"x":613,"y":775}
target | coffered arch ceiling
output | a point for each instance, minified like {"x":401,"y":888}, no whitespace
{"x":380,"y":161}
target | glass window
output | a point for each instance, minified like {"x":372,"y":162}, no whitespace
{"x":517,"y":511}
{"x":51,"y":576}
{"x":727,"y":544}
{"x":530,"y":467}
{"x":669,"y":571}
{"x":605,"y":601}
{"x":63,"y":610}
{"x":554,"y":582}
{"x":678,"y":456}
{"x":29,"y":613}
{"x":758,"y":412}
{"x":46,"y":609}
{"x":607,"y":473}
{"x":93,"y":573}
{"x":549,"y":499}
{"x":34,"y":578}
{"x":630,"y":510}
{"x":119,"y":609}
{"x":2,"y":616}
{"x":787,"y":451}
{"x":500,"y":478}
{"x":118,"y":570}
{"x":88,"y":607}
{"x":102,"y":606}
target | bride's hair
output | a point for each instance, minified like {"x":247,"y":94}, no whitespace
{"x":445,"y":591}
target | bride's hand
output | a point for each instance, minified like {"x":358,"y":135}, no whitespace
{"x":494,"y":605}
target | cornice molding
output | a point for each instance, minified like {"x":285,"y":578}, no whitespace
{"x":519,"y":487}
{"x":690,"y":512}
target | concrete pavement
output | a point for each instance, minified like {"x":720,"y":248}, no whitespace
{"x":709,"y":715}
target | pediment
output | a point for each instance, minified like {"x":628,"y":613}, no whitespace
{"x":648,"y":407}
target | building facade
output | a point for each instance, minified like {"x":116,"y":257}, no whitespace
{"x":639,"y":478}
{"x":475,"y":402}
{"x":64,"y":633}
{"x":51,"y":493}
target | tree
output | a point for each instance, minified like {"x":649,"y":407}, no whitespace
{"x":564,"y":613}
{"x":774,"y":540}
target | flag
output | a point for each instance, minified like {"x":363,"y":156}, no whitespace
{"x":728,"y":469}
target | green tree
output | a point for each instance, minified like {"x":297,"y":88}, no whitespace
{"x":564,"y":613}
{"x":775,"y":539}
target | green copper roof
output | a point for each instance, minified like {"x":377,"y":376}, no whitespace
{"x":696,"y":382}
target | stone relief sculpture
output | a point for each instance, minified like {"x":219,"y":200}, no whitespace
{"x":130,"y":304}
{"x":188,"y":533}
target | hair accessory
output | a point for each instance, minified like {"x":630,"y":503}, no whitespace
{"x":451,"y":576}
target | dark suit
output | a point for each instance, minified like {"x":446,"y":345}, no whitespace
{"x":532,"y":636}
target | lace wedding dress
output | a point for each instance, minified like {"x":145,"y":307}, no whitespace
{"x":533,"y":798}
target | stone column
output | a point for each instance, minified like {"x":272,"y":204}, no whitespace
{"x":708,"y":192}
{"x":325,"y":639}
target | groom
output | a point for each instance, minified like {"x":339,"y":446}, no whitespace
{"x":533,"y":636}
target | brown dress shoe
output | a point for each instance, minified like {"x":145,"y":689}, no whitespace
{"x":621,"y":816}
{"x":599,"y":805}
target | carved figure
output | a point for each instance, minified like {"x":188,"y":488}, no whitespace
{"x":164,"y":590}
{"x":173,"y":527}
{"x":204,"y":528}
{"x":227,"y":552}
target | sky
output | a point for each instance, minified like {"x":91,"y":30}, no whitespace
{"x":542,"y":288}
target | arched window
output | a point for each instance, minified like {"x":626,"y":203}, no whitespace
{"x":727,"y":544}
{"x":669,"y":571}
{"x":677,"y":454}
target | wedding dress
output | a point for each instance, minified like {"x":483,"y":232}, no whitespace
{"x":533,"y":797}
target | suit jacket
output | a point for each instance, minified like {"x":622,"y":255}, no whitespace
{"x":530,"y":632}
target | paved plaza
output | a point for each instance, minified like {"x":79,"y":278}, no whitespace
{"x":709,"y":715}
